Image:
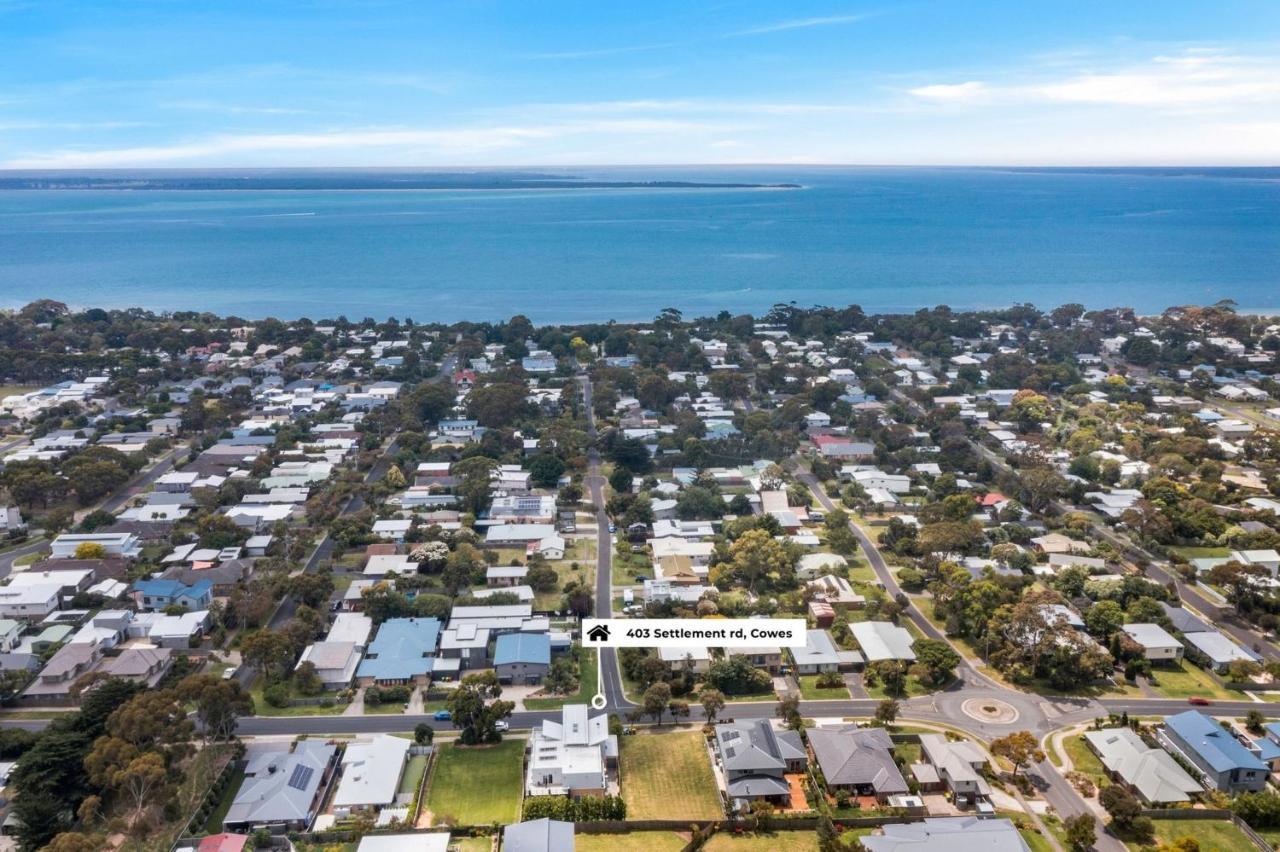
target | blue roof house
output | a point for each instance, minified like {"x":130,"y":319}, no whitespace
{"x":522,"y":658}
{"x":159,"y":595}
{"x":402,"y":652}
{"x":1225,"y":763}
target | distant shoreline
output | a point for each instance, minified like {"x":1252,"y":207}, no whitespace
{"x":336,"y":183}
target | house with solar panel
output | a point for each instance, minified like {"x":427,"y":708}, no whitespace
{"x":284,"y":786}
{"x":756,"y":761}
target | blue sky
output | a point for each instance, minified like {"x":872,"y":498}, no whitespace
{"x":384,"y":83}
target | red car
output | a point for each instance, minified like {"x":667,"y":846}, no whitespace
{"x":1198,"y":701}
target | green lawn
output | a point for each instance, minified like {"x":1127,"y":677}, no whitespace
{"x":668,"y":776}
{"x":1189,"y":553}
{"x":1187,"y":680}
{"x":625,"y":569}
{"x":413,"y":774}
{"x":477,"y":785}
{"x":1213,"y":835}
{"x":588,"y":680}
{"x":262,"y":708}
{"x":810,"y":691}
{"x":1084,"y":760}
{"x":669,"y":841}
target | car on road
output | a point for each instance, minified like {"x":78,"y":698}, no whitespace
{"x":1198,"y":701}
{"x":501,"y":725}
{"x":442,"y":715}
{"x":613,"y":528}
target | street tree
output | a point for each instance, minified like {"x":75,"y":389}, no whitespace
{"x":1019,"y":748}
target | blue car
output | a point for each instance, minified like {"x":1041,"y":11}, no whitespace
{"x":442,"y":716}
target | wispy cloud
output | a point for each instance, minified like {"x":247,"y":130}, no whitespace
{"x":445,"y":141}
{"x":595,"y":53}
{"x":800,"y":24}
{"x":1197,"y":78}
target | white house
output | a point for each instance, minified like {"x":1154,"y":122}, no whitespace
{"x":371,"y":771}
{"x":572,"y":756}
{"x":1157,"y":644}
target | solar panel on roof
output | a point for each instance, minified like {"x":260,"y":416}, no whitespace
{"x":301,"y":777}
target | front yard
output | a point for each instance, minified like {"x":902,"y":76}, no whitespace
{"x":477,"y":785}
{"x":1187,"y":680}
{"x":810,"y":691}
{"x":588,"y":678}
{"x":668,"y":776}
{"x":1213,"y":835}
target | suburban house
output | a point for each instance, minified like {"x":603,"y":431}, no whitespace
{"x":959,"y":766}
{"x":820,"y":654}
{"x":500,"y":576}
{"x":371,"y":771}
{"x":1224,"y":763}
{"x":283,"y":786}
{"x":335,"y":662}
{"x":857,"y":760}
{"x":1216,"y":651}
{"x":767,"y":657}
{"x":676,"y":658}
{"x":125,"y":545}
{"x":538,"y":835}
{"x":1158,"y":645}
{"x":158,"y":595}
{"x":571,"y":757}
{"x":402,"y":652}
{"x":522,"y":658}
{"x":1152,"y":774}
{"x":957,"y":834}
{"x":881,"y":640}
{"x":756,"y":760}
{"x":466,"y":643}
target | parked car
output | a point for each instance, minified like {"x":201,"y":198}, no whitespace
{"x":442,"y":715}
{"x":228,"y":674}
{"x":501,"y":725}
{"x":613,"y":528}
{"x":1198,"y":701}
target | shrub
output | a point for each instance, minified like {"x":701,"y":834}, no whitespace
{"x":277,"y":695}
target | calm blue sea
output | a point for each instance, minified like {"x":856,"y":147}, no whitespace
{"x":887,"y":239}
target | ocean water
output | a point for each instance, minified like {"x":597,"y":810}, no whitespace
{"x":886,"y":239}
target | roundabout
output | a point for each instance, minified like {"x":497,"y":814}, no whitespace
{"x":991,"y":711}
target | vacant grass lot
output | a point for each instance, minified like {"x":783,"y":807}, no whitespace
{"x":1187,"y":680}
{"x":668,"y":776}
{"x":1212,"y":835}
{"x":477,"y":785}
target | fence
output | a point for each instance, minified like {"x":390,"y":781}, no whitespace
{"x":1258,"y":840}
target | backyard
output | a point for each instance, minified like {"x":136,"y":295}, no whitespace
{"x":477,"y":785}
{"x":668,"y":776}
{"x":1213,"y":835}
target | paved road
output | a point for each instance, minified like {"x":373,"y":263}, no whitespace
{"x":163,"y":465}
{"x":10,"y":556}
{"x":610,"y":674}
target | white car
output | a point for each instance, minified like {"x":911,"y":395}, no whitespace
{"x":501,"y":725}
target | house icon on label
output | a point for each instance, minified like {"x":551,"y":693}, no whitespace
{"x":599,"y":633}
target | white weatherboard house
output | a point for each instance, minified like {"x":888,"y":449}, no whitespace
{"x":1157,"y":644}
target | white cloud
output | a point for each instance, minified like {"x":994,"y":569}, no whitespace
{"x":1196,"y":78}
{"x":952,"y":92}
